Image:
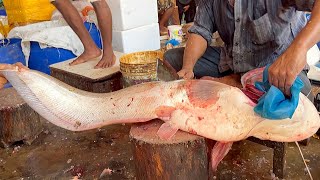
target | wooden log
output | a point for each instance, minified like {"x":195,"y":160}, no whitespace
{"x":183,"y":157}
{"x":85,"y":77}
{"x":18,"y":122}
{"x":102,"y":85}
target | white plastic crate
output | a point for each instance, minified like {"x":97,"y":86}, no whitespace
{"x":129,"y":14}
{"x":145,"y":38}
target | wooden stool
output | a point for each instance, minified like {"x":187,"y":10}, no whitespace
{"x":18,"y":122}
{"x":85,"y":77}
{"x":183,"y":157}
{"x":316,"y":90}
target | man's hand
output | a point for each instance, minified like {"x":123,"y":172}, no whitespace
{"x":195,"y":48}
{"x":186,"y":74}
{"x":3,"y":80}
{"x":186,"y":8}
{"x":284,"y":71}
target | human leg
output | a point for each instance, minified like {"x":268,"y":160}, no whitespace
{"x":74,"y":20}
{"x":105,"y":25}
{"x":165,"y":11}
{"x":207,"y":65}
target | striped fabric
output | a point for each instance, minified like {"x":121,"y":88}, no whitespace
{"x":255,"y":32}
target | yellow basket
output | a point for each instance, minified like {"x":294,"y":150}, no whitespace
{"x":140,"y":66}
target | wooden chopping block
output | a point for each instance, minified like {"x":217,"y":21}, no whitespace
{"x":85,"y":77}
{"x":18,"y":122}
{"x":183,"y":157}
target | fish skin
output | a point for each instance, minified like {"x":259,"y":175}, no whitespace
{"x":210,"y":109}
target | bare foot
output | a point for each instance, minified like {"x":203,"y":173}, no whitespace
{"x":106,"y":61}
{"x":87,"y":56}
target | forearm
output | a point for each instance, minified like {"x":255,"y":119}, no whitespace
{"x":310,"y":34}
{"x":195,"y":48}
{"x":105,"y":23}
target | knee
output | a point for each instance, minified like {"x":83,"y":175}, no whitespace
{"x":168,"y":56}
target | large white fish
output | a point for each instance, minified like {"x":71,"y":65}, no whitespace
{"x":210,"y":109}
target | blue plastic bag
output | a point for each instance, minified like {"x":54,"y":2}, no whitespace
{"x":274,"y":104}
{"x":174,"y":42}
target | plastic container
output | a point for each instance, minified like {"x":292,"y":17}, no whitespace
{"x":175,"y":32}
{"x":41,"y":59}
{"x":11,"y":52}
{"x":3,"y":12}
{"x":130,"y":14}
{"x":145,"y":38}
{"x":23,"y":12}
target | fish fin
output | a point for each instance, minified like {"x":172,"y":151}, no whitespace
{"x":204,"y":93}
{"x":166,"y":131}
{"x":164,"y":112}
{"x":219,"y":151}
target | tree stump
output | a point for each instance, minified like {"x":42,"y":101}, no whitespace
{"x":85,"y":77}
{"x":183,"y":157}
{"x":102,"y":85}
{"x":18,"y":122}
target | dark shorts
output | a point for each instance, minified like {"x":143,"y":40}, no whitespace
{"x":207,"y":65}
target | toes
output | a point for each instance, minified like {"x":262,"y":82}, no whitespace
{"x":77,"y":61}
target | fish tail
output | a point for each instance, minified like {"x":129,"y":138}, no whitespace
{"x":33,"y":101}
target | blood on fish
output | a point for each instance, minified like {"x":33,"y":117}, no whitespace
{"x":200,"y":118}
{"x":114,"y":104}
{"x":130,"y":102}
{"x":164,"y":111}
{"x":251,"y":103}
{"x":192,"y":131}
{"x":78,"y":124}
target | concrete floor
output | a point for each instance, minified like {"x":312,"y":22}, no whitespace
{"x":61,"y":154}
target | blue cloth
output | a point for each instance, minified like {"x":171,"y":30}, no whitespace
{"x":174,"y":42}
{"x":274,"y":104}
{"x":8,"y":85}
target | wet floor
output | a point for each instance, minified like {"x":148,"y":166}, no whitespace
{"x":61,"y":154}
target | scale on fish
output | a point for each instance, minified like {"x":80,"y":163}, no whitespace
{"x":207,"y":108}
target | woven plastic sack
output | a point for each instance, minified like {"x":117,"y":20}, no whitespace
{"x":22,"y":12}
